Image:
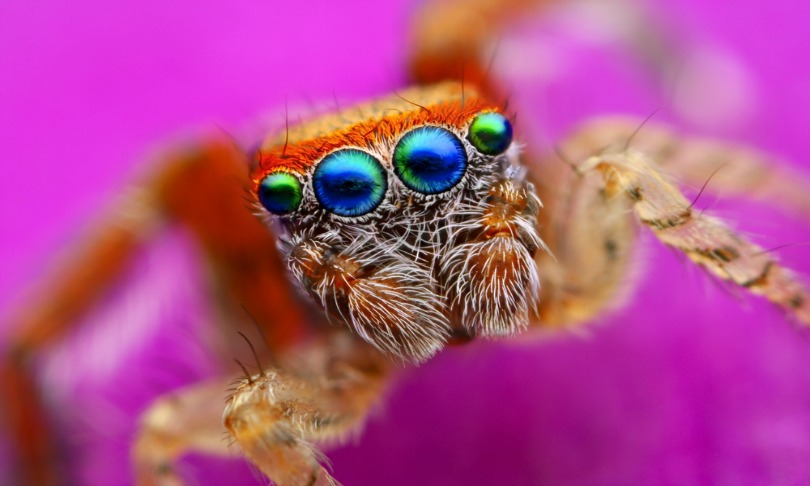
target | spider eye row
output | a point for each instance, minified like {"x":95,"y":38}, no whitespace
{"x":350,"y":182}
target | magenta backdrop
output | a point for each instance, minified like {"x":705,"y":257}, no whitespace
{"x":687,"y":385}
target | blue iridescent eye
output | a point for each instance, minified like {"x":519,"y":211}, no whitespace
{"x":349,"y":182}
{"x":491,"y":133}
{"x":280,"y":193}
{"x":430,"y":160}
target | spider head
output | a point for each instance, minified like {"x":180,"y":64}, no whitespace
{"x":407,"y":218}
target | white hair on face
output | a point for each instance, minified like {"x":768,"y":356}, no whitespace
{"x":398,"y":311}
{"x":493,"y":285}
{"x":394,"y":305}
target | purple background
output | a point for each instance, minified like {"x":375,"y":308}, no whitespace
{"x":687,"y":385}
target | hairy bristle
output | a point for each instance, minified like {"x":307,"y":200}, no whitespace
{"x":492,"y":285}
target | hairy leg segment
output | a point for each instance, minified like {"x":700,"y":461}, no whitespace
{"x":276,"y":416}
{"x":319,"y":394}
{"x":620,"y":173}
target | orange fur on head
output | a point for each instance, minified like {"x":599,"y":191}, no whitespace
{"x":446,"y":104}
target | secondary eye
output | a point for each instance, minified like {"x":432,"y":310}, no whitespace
{"x":280,"y":193}
{"x":491,"y":133}
{"x":349,"y":182}
{"x":430,"y":160}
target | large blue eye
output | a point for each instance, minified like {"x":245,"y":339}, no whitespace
{"x":430,"y":160}
{"x":349,"y":182}
{"x":491,"y":133}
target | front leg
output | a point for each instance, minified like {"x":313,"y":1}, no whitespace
{"x":719,"y":167}
{"x":705,"y":240}
{"x":179,"y":422}
{"x":589,"y":228}
{"x":275,"y":415}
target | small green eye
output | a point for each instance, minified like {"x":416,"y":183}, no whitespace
{"x":491,"y":133}
{"x":280,"y":193}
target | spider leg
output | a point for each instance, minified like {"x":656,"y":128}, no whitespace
{"x":461,"y":39}
{"x":707,"y":241}
{"x":590,"y":237}
{"x":627,"y":181}
{"x":25,"y":424}
{"x":185,"y":420}
{"x":718,"y":167}
{"x":451,"y":38}
{"x":274,"y":416}
{"x":54,"y":307}
{"x":201,"y":189}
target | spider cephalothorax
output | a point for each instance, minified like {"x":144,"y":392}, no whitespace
{"x":410,"y":226}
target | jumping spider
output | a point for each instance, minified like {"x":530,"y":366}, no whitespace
{"x":408,"y":253}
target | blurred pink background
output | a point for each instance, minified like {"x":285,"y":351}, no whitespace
{"x":687,"y":385}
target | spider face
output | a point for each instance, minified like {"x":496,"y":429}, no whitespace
{"x":410,"y":227}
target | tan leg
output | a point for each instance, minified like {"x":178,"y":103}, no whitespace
{"x":189,"y":419}
{"x":276,"y":415}
{"x":588,"y":229}
{"x":591,"y":237}
{"x":462,"y":39}
{"x":734,"y":170}
{"x":450,"y":39}
{"x":705,"y":240}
